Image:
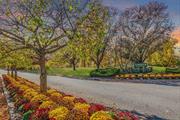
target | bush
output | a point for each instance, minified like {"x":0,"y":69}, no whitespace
{"x":108,"y":72}
{"x":172,"y":70}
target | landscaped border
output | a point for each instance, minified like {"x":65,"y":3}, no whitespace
{"x":55,"y":105}
{"x":149,"y":76}
{"x":4,"y":110}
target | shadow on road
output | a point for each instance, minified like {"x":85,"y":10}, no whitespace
{"x":148,"y":117}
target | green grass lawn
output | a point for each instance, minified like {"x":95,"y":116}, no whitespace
{"x":85,"y":72}
{"x":68,"y":72}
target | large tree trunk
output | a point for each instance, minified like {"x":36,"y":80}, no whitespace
{"x":43,"y":75}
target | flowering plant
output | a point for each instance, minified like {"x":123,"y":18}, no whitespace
{"x":101,"y":115}
{"x":48,"y":104}
{"x":30,"y":94}
{"x":59,"y":113}
{"x":39,"y":98}
{"x":79,"y":100}
{"x":40,"y":114}
{"x":82,"y":107}
{"x":19,"y":102}
{"x":56,"y":96}
{"x":126,"y":116}
{"x":27,"y":106}
{"x":77,"y":115}
{"x":50,"y":91}
{"x":69,"y":98}
{"x":95,"y":107}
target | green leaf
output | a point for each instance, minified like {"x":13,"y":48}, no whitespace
{"x":21,"y":107}
{"x":27,"y":114}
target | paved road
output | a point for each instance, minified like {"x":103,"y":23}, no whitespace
{"x":157,"y":101}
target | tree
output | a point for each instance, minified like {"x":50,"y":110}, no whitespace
{"x":44,"y":26}
{"x":142,"y":30}
{"x":164,"y":57}
{"x":69,"y":54}
{"x":99,"y":29}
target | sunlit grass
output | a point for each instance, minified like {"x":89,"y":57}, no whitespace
{"x":69,"y":72}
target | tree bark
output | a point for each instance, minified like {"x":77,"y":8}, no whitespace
{"x":8,"y":70}
{"x":74,"y":66}
{"x":97,"y":65}
{"x":15,"y":72}
{"x":43,"y":75}
{"x":12,"y":72}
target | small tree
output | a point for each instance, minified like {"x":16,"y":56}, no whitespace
{"x":44,"y":26}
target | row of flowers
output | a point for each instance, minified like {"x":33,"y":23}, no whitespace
{"x":55,"y":105}
{"x":149,"y":76}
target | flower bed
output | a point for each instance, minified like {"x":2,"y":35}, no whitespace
{"x":56,"y":105}
{"x":4,"y":114}
{"x":149,"y":76}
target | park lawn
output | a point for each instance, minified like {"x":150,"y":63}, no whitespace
{"x":157,"y":69}
{"x":69,"y":72}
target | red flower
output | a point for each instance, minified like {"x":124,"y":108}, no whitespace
{"x":127,"y":116}
{"x":42,"y":112}
{"x":27,"y":106}
{"x":81,"y":100}
{"x":96,"y":107}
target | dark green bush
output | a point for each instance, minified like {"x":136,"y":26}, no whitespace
{"x":172,"y":70}
{"x":108,"y":72}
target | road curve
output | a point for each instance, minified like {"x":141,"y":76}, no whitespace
{"x":159,"y":101}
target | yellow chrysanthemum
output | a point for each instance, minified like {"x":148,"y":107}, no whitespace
{"x":51,"y":91}
{"x":101,"y":115}
{"x":48,"y":104}
{"x":39,"y":98}
{"x":30,"y":95}
{"x":23,"y":87}
{"x":82,"y":107}
{"x":59,"y":113}
{"x":69,"y":98}
{"x":56,"y":95}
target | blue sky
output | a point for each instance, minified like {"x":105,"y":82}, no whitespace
{"x":173,"y":7}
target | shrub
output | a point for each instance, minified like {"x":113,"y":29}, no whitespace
{"x":172,"y":70}
{"x":108,"y":72}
